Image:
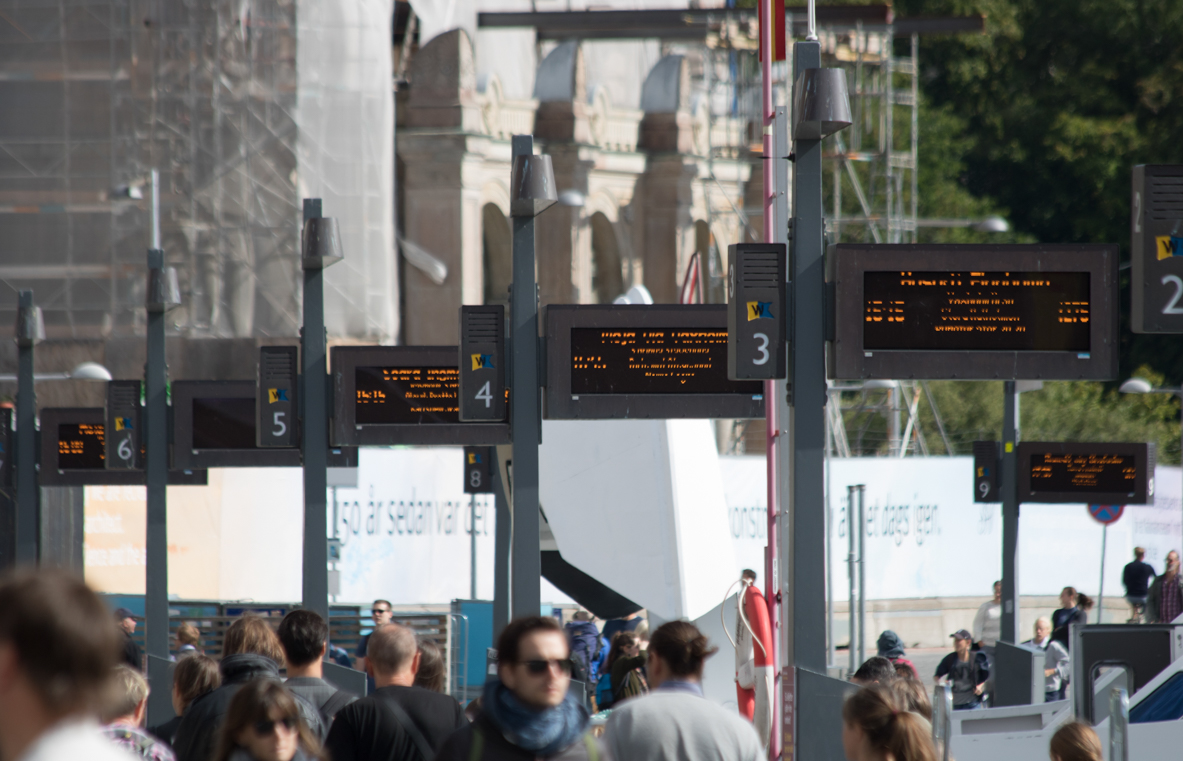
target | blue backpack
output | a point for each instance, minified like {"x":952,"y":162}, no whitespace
{"x":604,"y":695}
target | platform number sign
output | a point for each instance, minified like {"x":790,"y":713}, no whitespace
{"x":275,"y":401}
{"x":482,"y":364}
{"x":478,"y":470}
{"x":986,"y":476}
{"x":122,"y":439}
{"x":1156,"y":253}
{"x":756,"y":312}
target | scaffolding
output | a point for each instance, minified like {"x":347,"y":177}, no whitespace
{"x":211,"y":94}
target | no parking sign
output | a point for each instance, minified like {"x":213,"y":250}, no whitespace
{"x":1106,"y":514}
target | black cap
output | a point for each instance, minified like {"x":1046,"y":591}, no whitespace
{"x":122,"y":613}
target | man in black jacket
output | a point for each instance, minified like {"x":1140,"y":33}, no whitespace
{"x":399,"y":722}
{"x":132,"y":655}
{"x":1136,"y":578}
{"x":305,"y":639}
{"x":250,"y":651}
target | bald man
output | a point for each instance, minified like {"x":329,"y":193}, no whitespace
{"x":399,"y":722}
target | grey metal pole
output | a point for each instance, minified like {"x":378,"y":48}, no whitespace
{"x":852,"y":577}
{"x":314,"y":429}
{"x":1101,"y":588}
{"x":29,"y":330}
{"x":1119,"y":725}
{"x":501,"y":555}
{"x":472,"y":549}
{"x":155,"y":183}
{"x":862,"y":574}
{"x":1010,"y":515}
{"x":803,"y":533}
{"x":526,"y":420}
{"x":156,"y":461}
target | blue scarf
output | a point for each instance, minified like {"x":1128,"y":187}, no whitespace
{"x":543,"y":732}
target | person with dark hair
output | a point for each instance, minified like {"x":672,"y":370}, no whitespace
{"x":1136,"y":578}
{"x":1075,"y":742}
{"x":193,"y":676}
{"x":625,"y":670}
{"x":250,"y":650}
{"x":875,"y":670}
{"x":264,"y":723}
{"x":966,"y":669}
{"x":123,"y":713}
{"x":527,"y":711}
{"x":399,"y":722}
{"x":58,"y":644}
{"x":891,"y":647}
{"x":431,"y":675}
{"x":1074,"y":610}
{"x":877,"y":724}
{"x":304,"y":636}
{"x":132,"y":655}
{"x":674,"y":722}
{"x":1164,"y":599}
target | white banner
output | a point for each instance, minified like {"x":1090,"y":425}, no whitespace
{"x":927,"y":538}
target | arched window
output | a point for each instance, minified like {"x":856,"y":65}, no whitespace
{"x":607,"y":276}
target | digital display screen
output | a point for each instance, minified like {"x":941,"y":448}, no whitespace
{"x":1086,"y":473}
{"x":653,"y":361}
{"x":406,"y":395}
{"x":976,"y":311}
{"x":224,"y":423}
{"x":81,"y":446}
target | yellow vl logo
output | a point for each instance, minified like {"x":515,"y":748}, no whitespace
{"x":1168,"y":246}
{"x":123,"y":424}
{"x":482,"y":361}
{"x":759,"y":310}
{"x":277,"y":395}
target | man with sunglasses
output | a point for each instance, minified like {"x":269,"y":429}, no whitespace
{"x":527,"y":712}
{"x":381,"y":611}
{"x":398,"y":722}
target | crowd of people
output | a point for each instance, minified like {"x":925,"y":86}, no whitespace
{"x":67,"y":690}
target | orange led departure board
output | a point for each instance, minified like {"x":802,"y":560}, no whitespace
{"x":984,"y":311}
{"x":652,"y":361}
{"x":80,"y":446}
{"x":1104,"y":473}
{"x":972,"y":312}
{"x":415,"y":395}
{"x":637,"y":361}
{"x":401,"y":395}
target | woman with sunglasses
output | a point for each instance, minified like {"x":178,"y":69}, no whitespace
{"x":264,"y":724}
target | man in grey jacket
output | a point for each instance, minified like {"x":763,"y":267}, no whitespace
{"x":1056,"y":664}
{"x":674,"y":722}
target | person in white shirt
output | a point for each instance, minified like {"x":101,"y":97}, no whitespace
{"x":1056,"y":666}
{"x":988,"y":622}
{"x":58,"y":645}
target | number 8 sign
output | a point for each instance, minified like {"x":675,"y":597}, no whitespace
{"x":478,"y":469}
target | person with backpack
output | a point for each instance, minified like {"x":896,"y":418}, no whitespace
{"x":527,"y":711}
{"x":584,"y":640}
{"x":399,"y":722}
{"x":305,"y":639}
{"x":624,"y":676}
